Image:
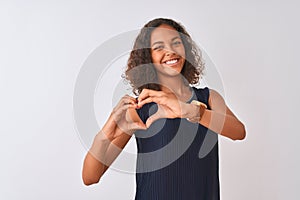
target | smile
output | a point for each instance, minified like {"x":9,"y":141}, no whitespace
{"x":172,"y":61}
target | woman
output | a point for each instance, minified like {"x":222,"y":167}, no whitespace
{"x":169,"y":126}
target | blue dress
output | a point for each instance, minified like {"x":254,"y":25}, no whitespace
{"x":177,"y":159}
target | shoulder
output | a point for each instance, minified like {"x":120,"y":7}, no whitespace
{"x":210,"y":97}
{"x":215,"y":95}
{"x":216,"y":101}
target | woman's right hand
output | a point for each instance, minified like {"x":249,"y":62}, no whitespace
{"x":112,"y":138}
{"x":126,"y":117}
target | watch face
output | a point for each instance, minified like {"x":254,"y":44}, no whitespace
{"x":198,"y":103}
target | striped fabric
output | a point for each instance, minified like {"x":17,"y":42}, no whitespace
{"x":168,"y":163}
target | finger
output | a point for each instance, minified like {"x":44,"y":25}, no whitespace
{"x":153,"y":118}
{"x":145,"y":101}
{"x":131,"y":128}
{"x":129,"y":97}
{"x":125,"y":107}
{"x":132,"y":116}
{"x":121,"y":109}
{"x":128,"y":100}
{"x":138,"y":126}
{"x":148,"y":100}
{"x":159,"y":100}
{"x":124,"y":104}
{"x":125,"y":100}
{"x":149,"y":93}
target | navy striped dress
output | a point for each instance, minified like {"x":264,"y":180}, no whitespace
{"x":177,"y":159}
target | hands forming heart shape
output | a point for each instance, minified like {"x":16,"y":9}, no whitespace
{"x":168,"y":107}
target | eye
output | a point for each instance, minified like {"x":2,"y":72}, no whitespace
{"x":176,"y":43}
{"x":159,"y":47}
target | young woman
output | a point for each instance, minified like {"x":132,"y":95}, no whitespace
{"x":170,"y":128}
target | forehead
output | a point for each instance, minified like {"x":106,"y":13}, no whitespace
{"x":163,"y":33}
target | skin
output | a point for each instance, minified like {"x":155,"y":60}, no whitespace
{"x":112,"y":138}
{"x":166,"y":45}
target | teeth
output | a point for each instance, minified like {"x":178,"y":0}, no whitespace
{"x":169,"y":62}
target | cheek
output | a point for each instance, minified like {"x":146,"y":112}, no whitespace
{"x":182,"y":52}
{"x":156,"y":57}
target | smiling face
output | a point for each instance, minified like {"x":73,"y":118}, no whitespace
{"x":167,"y":51}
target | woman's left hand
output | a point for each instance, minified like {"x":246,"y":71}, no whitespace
{"x":169,"y":106}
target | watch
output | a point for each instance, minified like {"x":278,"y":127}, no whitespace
{"x":202,"y":106}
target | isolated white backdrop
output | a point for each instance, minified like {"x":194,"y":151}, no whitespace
{"x":43,"y":44}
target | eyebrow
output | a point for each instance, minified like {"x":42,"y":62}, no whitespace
{"x":160,"y":42}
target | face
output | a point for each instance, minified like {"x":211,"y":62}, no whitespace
{"x":167,"y":51}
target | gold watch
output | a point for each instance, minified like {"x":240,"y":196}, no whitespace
{"x":202,"y":106}
{"x":198,"y":103}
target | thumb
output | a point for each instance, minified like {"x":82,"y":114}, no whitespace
{"x":152,"y":119}
{"x":138,"y":126}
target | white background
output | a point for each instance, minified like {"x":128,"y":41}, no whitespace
{"x":43,"y":44}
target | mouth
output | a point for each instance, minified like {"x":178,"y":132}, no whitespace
{"x":172,"y":61}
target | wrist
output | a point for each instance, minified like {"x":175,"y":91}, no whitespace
{"x":197,"y":111}
{"x":190,"y":111}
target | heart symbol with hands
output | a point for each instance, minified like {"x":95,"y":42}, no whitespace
{"x":168,"y":106}
{"x":125,"y":117}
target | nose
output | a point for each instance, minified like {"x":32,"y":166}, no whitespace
{"x":169,"y":51}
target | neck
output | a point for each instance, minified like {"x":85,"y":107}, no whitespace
{"x":175,"y":85}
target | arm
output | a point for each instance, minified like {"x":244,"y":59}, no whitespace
{"x":110,"y":141}
{"x":220,"y":118}
{"x":102,"y":153}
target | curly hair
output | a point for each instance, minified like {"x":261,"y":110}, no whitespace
{"x":140,"y":71}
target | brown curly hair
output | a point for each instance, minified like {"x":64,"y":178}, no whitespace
{"x":140,"y":71}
